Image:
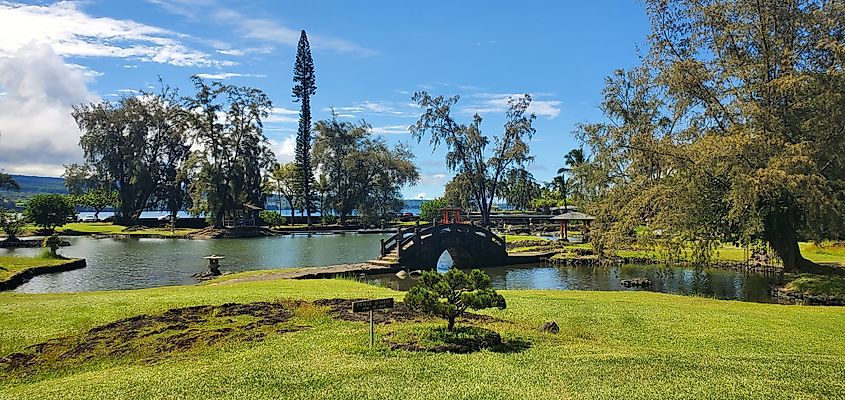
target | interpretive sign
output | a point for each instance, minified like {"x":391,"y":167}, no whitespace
{"x":369,"y":306}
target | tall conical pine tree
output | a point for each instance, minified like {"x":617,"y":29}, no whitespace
{"x":304,"y":86}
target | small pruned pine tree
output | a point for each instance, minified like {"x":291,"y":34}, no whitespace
{"x":449,"y":295}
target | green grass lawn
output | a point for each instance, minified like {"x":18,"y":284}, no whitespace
{"x":106,"y":228}
{"x":11,"y":265}
{"x":611,"y":345}
{"x":823,"y":285}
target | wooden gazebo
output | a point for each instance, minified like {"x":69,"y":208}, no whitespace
{"x":244,"y":217}
{"x":565,"y":218}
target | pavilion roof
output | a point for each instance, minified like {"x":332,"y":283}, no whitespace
{"x":573,"y":216}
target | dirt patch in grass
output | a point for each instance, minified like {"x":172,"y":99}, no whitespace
{"x":342,"y":309}
{"x":153,"y":337}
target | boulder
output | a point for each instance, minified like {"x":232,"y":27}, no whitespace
{"x":550,"y":327}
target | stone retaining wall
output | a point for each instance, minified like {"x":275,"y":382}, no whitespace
{"x":25,"y":275}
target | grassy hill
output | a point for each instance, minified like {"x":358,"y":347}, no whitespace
{"x":611,"y":345}
{"x":32,"y":185}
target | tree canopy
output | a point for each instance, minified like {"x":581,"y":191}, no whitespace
{"x":467,"y":152}
{"x":449,"y":295}
{"x":732,"y":130}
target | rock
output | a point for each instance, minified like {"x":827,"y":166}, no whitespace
{"x":402,"y":274}
{"x":416,"y":273}
{"x":636,"y":282}
{"x":550,"y":327}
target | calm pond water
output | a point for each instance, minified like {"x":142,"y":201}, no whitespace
{"x":140,"y":263}
{"x":706,"y":282}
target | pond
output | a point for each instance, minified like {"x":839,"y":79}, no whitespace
{"x":134,"y":263}
{"x":705,"y":282}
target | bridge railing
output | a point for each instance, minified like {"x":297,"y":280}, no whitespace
{"x":404,"y":236}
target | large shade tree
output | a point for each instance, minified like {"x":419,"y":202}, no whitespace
{"x":733,"y":130}
{"x":131,"y":145}
{"x":228,"y":169}
{"x":467,"y":147}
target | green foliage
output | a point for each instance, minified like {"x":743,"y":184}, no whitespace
{"x":51,"y":246}
{"x":430,"y":209}
{"x":97,"y":199}
{"x":519,"y":189}
{"x":726,"y":133}
{"x":304,"y":87}
{"x":329,"y":219}
{"x":466,"y":146}
{"x":361,"y":172}
{"x":449,"y":295}
{"x":273,"y":218}
{"x":7,"y":182}
{"x":134,"y":145}
{"x":11,"y":223}
{"x":227,"y":173}
{"x":49,"y":211}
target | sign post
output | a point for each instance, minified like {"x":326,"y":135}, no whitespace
{"x":369,"y":306}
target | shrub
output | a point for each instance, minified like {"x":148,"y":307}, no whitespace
{"x":272,"y":218}
{"x":11,"y":223}
{"x":329,"y":219}
{"x":49,"y":210}
{"x":430,"y":209}
{"x":51,"y":246}
{"x":449,"y":295}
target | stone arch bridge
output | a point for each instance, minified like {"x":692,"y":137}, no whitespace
{"x":468,"y":245}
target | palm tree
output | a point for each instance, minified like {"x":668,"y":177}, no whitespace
{"x":571,"y":160}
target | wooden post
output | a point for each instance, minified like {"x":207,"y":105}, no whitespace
{"x":561,"y":230}
{"x":382,"y":247}
{"x":372,"y":329}
{"x":399,"y":242}
{"x":566,"y":230}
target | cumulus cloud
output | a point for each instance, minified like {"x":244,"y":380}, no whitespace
{"x":284,"y":149}
{"x":73,"y":33}
{"x":37,"y":133}
{"x":498,"y":103}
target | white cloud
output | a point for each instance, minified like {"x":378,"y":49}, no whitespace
{"x":498,"y":103}
{"x":282,"y":116}
{"x":262,"y":29}
{"x":377,"y":108}
{"x":421,"y":196}
{"x":228,"y":75}
{"x":284,"y":149}
{"x":73,"y":33}
{"x":38,"y":133}
{"x":390,"y":129}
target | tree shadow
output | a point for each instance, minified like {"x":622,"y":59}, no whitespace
{"x":516,"y":345}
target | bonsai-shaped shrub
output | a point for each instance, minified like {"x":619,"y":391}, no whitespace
{"x":272,"y":218}
{"x":51,"y":245}
{"x":449,"y":295}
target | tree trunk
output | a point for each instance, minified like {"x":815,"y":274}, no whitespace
{"x":780,"y":233}
{"x":451,"y":324}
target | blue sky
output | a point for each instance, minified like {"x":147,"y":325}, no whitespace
{"x":370,"y":57}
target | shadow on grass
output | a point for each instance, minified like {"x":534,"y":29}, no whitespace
{"x":516,"y":345}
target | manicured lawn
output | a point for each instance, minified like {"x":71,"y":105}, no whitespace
{"x":105,"y":228}
{"x":11,"y":265}
{"x":611,"y":345}
{"x":819,"y":285}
